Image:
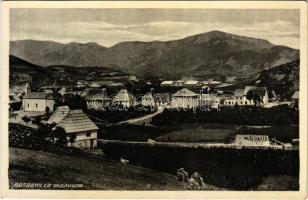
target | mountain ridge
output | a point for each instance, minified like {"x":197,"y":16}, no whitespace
{"x":206,"y":54}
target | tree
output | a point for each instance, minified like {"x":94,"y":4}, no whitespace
{"x":26,"y":119}
{"x":47,"y":110}
{"x":59,"y":135}
{"x":254,"y":96}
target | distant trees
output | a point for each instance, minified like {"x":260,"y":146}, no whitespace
{"x":248,"y":115}
{"x":254,"y":96}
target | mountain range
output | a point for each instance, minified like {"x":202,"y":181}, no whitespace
{"x":211,"y":54}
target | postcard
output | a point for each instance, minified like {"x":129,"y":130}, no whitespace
{"x":132,"y":99}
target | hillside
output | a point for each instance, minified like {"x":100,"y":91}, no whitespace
{"x":211,"y":54}
{"x":92,"y":172}
{"x":21,"y":70}
{"x":283,"y":79}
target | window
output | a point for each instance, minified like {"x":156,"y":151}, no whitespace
{"x":88,"y":134}
{"x":28,"y":105}
{"x":36,"y":105}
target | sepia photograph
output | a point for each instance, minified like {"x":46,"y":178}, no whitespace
{"x":155,"y":99}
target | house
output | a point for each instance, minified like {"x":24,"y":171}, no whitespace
{"x":148,"y":100}
{"x":209,"y":101}
{"x":252,"y":140}
{"x":162,"y":99}
{"x":81,"y":131}
{"x":167,"y":83}
{"x":124,"y":99}
{"x":191,"y":83}
{"x":246,"y":96}
{"x":98,"y":100}
{"x":184,"y":98}
{"x":38,"y":102}
{"x":295,"y":97}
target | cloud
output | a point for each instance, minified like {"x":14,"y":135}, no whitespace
{"x":108,"y":34}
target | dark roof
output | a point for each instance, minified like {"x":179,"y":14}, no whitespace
{"x":38,"y":95}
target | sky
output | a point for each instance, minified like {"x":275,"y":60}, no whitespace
{"x":110,"y":26}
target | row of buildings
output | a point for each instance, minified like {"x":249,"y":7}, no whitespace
{"x":183,"y":98}
{"x":189,"y":83}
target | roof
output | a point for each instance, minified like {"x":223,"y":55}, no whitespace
{"x":191,"y":82}
{"x":97,"y":95}
{"x":59,"y":114}
{"x":184,"y":92}
{"x":38,"y":95}
{"x":167,"y":82}
{"x":295,"y":95}
{"x":123,"y":95}
{"x":239,"y":92}
{"x":76,"y":121}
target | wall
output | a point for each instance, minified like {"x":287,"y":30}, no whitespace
{"x":37,"y":104}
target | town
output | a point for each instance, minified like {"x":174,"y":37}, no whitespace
{"x":27,"y":105}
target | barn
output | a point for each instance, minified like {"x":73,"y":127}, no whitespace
{"x":81,"y":131}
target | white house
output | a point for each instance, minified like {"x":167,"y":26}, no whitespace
{"x":148,"y":100}
{"x":191,"y":83}
{"x":184,"y":98}
{"x":167,"y":83}
{"x":81,"y":131}
{"x":38,"y":102}
{"x":209,"y":101}
{"x":252,"y":140}
{"x":240,"y":96}
{"x":124,"y":98}
{"x":98,"y":100}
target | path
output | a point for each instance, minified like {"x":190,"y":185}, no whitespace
{"x":142,"y":120}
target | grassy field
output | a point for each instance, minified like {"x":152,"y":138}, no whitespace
{"x":94,"y":172}
{"x":199,"y":134}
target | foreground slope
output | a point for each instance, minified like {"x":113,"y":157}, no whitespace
{"x":93,"y":172}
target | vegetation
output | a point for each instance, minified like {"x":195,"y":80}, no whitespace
{"x":280,"y":115}
{"x":90,"y":171}
{"x":39,"y":139}
{"x":229,"y":168}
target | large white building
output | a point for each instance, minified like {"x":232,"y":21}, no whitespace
{"x":184,"y":98}
{"x":124,"y":99}
{"x":38,"y":102}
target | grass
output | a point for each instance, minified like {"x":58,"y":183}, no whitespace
{"x":93,"y":172}
{"x":199,"y":134}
